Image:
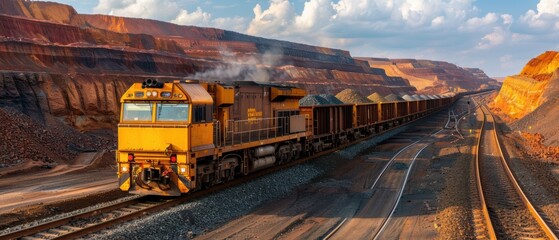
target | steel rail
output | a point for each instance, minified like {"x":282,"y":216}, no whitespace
{"x":65,"y":220}
{"x":544,"y":226}
{"x":385,"y":220}
{"x":485,"y":211}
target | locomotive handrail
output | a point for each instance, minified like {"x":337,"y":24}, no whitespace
{"x":264,"y":127}
{"x":217,"y":134}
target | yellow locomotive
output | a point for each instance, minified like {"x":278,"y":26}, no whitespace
{"x":179,"y":136}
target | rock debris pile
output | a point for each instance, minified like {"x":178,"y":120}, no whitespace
{"x":393,"y":98}
{"x":26,"y":140}
{"x":322,"y":99}
{"x":376,"y":98}
{"x":536,"y":148}
{"x":331,"y":99}
{"x":351,"y":96}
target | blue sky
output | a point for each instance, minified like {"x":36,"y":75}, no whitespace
{"x":498,"y":36}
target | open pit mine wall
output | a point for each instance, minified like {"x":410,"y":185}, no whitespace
{"x":537,"y":83}
{"x":434,"y":77}
{"x":78,"y":99}
{"x":75,"y":67}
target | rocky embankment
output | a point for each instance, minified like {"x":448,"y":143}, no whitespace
{"x":25,"y":141}
{"x":434,"y":77}
{"x":530,"y":102}
{"x":536,"y":84}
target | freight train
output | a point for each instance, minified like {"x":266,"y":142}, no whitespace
{"x":181,"y":136}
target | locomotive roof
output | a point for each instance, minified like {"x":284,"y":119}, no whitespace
{"x":253,"y":83}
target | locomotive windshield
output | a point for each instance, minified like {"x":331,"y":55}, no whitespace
{"x":172,"y":112}
{"x":137,"y":111}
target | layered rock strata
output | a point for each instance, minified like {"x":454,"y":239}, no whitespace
{"x":536,"y":84}
{"x":75,"y":66}
{"x":434,"y":77}
{"x":531,"y":98}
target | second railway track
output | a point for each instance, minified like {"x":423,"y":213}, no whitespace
{"x":508,"y":213}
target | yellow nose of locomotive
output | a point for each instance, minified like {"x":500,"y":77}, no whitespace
{"x":155,"y":135}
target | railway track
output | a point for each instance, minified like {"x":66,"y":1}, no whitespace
{"x":78,"y":225}
{"x":335,"y":229}
{"x":506,"y":212}
{"x":416,"y":147}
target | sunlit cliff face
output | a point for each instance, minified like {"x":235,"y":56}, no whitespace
{"x":523,"y":93}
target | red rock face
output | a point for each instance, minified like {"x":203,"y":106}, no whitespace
{"x":55,"y":61}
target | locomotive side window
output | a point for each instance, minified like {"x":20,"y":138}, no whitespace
{"x":202,"y":113}
{"x":137,"y":112}
{"x":172,"y":112}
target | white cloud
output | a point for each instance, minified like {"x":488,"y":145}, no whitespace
{"x":197,"y":17}
{"x":497,"y":37}
{"x":546,"y":17}
{"x":363,"y":10}
{"x":437,"y":21}
{"x":274,"y":21}
{"x":475,"y":23}
{"x":507,"y":19}
{"x":321,"y":19}
{"x":548,"y":7}
{"x":151,"y":9}
{"x":168,"y":10}
{"x":316,"y":13}
{"x":237,"y":24}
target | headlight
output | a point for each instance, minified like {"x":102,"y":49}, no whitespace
{"x":183,"y":169}
{"x":154,"y":93}
{"x":124,"y":169}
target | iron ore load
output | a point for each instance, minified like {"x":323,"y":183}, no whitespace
{"x":181,"y":136}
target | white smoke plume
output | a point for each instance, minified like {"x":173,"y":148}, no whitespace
{"x":259,"y":68}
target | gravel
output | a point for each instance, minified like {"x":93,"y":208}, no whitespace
{"x":376,"y":98}
{"x":312,"y":100}
{"x":540,"y":121}
{"x":194,"y":218}
{"x":331,"y":99}
{"x":408,"y":98}
{"x":393,"y":98}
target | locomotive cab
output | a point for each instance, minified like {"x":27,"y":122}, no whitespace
{"x":160,"y":125}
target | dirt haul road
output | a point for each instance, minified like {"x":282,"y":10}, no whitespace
{"x":63,"y":182}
